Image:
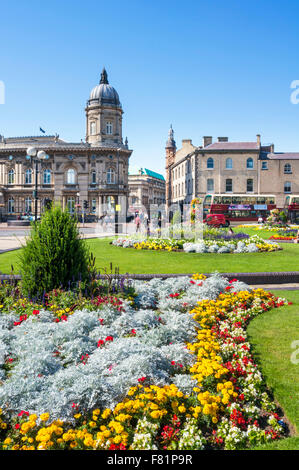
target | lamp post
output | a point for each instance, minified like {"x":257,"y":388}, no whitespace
{"x":36,"y":155}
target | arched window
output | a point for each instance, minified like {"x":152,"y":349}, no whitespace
{"x":92,"y":128}
{"x":47,"y":176}
{"x":110,"y":176}
{"x":287,"y":187}
{"x":93,"y":177}
{"x":288,"y":168}
{"x":11,"y":205}
{"x":71,"y":176}
{"x":11,"y":176}
{"x":249,"y":186}
{"x":210,"y":163}
{"x":249,"y":163}
{"x":229,"y":185}
{"x":210,"y":185}
{"x":228,"y":163}
{"x":109,"y":128}
{"x":28,"y":176}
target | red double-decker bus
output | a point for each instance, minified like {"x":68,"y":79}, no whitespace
{"x":239,"y":207}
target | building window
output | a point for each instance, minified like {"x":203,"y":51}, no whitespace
{"x":110,"y":176}
{"x":210,"y":185}
{"x":229,"y":185}
{"x":210,"y":163}
{"x":93,"y":206}
{"x":71,"y":205}
{"x":287,"y":187}
{"x":11,"y":176}
{"x":11,"y":205}
{"x":228,"y":163}
{"x":47,"y":176}
{"x":28,"y":205}
{"x":109,"y":128}
{"x":28,"y":176}
{"x":288,"y":168}
{"x":71,"y":176}
{"x":93,"y":177}
{"x":92,"y":128}
{"x":249,"y":187}
{"x":264,"y":165}
{"x":249,"y":164}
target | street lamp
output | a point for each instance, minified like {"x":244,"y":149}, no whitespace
{"x":36,"y":155}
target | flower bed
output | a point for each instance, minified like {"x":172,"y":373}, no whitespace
{"x":250,"y":245}
{"x":169,"y":368}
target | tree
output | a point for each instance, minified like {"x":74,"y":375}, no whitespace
{"x":54,"y":255}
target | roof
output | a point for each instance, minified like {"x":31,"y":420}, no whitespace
{"x":233,"y":146}
{"x":284,"y":156}
{"x":153,"y":174}
{"x":134,"y":171}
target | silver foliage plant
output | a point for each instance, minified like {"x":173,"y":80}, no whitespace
{"x":58,"y":364}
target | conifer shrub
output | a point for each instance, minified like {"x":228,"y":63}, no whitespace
{"x":54,"y":255}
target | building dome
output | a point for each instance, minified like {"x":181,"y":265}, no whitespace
{"x":104,"y":94}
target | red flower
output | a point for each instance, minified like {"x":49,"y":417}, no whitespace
{"x":133,"y":332}
{"x":23,"y":413}
{"x":100,"y":343}
{"x":35,"y":312}
{"x":142,"y":379}
{"x":109,"y":338}
{"x":17,"y":426}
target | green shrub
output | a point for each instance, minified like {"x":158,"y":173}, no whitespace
{"x":54,"y":255}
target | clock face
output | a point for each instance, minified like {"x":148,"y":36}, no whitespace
{"x":10,"y":157}
{"x":71,"y":157}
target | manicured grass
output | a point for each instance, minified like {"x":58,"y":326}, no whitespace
{"x":134,"y":261}
{"x":271,"y":336}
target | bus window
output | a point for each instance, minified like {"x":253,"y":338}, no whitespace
{"x":261,"y":200}
{"x":208,"y":199}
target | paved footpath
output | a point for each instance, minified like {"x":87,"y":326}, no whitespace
{"x":12,"y":238}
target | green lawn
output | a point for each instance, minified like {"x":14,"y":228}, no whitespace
{"x":140,"y":262}
{"x":271,"y":336}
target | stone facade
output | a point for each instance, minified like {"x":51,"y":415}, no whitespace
{"x":225,"y":167}
{"x":146,"y":188}
{"x":92,"y":173}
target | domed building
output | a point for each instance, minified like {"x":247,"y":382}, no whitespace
{"x":89,"y":177}
{"x":104,"y":114}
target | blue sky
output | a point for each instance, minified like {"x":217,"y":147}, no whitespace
{"x":220,"y":68}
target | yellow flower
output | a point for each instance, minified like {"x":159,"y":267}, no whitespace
{"x":44,"y":416}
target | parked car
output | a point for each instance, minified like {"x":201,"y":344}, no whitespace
{"x":216,"y":220}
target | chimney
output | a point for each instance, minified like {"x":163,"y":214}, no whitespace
{"x":258,"y":139}
{"x":186,"y":142}
{"x":207,"y":140}
{"x":222,"y":139}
